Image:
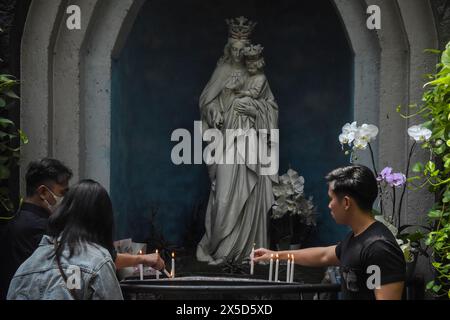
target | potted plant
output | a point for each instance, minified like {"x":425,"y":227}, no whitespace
{"x":392,"y":187}
{"x":293,"y":214}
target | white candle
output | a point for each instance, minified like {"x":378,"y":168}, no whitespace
{"x":141,"y":269}
{"x":173,"y":265}
{"x":157,"y":271}
{"x":252,"y":263}
{"x":271,"y":268}
{"x":277,"y":264}
{"x":292,"y":268}
{"x":288,"y":269}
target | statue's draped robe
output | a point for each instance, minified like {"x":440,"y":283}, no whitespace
{"x":240,"y":198}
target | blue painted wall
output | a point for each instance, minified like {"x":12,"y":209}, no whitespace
{"x":157,"y":80}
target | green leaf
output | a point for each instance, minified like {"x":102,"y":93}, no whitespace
{"x":11,"y":94}
{"x":441,"y":149}
{"x":444,"y":80}
{"x":418,"y":167}
{"x":430,"y":167}
{"x":23,"y":137}
{"x":430,"y":285}
{"x":5,"y":122}
{"x":445,"y":59}
{"x":435,"y":214}
{"x":411,"y":179}
{"x":437,"y":288}
{"x":434,"y":51}
{"x":4,"y":172}
{"x":2,"y":103}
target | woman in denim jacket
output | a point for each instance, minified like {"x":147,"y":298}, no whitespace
{"x":74,"y":261}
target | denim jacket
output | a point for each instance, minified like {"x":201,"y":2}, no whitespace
{"x":91,"y":274}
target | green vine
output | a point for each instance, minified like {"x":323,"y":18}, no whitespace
{"x":11,"y":140}
{"x":435,"y":174}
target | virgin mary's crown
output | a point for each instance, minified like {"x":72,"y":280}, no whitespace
{"x":240,"y":28}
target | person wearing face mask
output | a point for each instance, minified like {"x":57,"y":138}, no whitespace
{"x":47,"y":181}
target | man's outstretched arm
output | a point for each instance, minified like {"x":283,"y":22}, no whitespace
{"x":311,"y":257}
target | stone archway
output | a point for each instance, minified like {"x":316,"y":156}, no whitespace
{"x":66,"y":77}
{"x":65,"y":73}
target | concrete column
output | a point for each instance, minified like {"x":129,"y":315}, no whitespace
{"x":68,"y":130}
{"x":109,"y":32}
{"x":36,"y":91}
{"x":421,"y":31}
{"x":367,"y":54}
{"x":422,"y":34}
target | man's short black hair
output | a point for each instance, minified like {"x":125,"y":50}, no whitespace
{"x":43,"y":171}
{"x":357,"y":182}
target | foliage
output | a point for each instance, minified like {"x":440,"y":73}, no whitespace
{"x":435,"y":174}
{"x":291,"y":199}
{"x":10,"y":139}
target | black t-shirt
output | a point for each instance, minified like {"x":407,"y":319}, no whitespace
{"x":376,"y":246}
{"x":21,"y":237}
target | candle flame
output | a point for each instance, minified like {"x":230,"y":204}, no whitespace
{"x":173,"y":254}
{"x":277,"y":255}
{"x":140,"y":251}
{"x":271,"y":256}
{"x":156,"y":251}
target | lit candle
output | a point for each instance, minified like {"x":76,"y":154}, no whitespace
{"x":271,"y":268}
{"x":292,"y":268}
{"x":252,"y":263}
{"x":277,"y":264}
{"x":157,"y":271}
{"x":288,"y":267}
{"x":141,"y":269}
{"x":173,"y":265}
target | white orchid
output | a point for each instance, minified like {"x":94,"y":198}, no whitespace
{"x":360,"y":143}
{"x":359,"y":136}
{"x":367,"y":132}
{"x":406,"y":249}
{"x":419,"y":133}
{"x":348,"y":133}
{"x":364,"y":135}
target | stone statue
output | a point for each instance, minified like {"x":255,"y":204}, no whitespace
{"x":237,"y":96}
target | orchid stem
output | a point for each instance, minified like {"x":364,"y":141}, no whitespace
{"x":393,"y":207}
{"x":380,"y":190}
{"x":406,"y":175}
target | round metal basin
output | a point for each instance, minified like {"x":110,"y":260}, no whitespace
{"x":218,"y":287}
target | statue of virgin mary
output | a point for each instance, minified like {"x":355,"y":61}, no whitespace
{"x":240,"y":197}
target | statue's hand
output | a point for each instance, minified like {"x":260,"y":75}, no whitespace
{"x":218,"y":120}
{"x":240,"y":94}
{"x":247,"y":110}
{"x":213,"y":116}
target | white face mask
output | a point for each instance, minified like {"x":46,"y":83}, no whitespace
{"x":58,"y":201}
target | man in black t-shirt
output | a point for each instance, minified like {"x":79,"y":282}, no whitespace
{"x":371,"y":262}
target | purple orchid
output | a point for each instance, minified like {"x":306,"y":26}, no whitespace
{"x":392,"y":179}
{"x":384,"y":174}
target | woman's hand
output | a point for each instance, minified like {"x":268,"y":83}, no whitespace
{"x":152,"y":260}
{"x":263,"y":254}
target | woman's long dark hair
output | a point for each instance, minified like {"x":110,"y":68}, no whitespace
{"x":85,"y":215}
